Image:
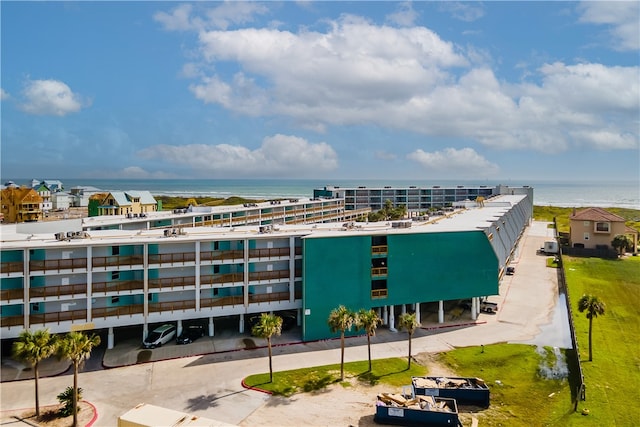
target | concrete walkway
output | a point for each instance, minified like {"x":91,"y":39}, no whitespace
{"x":209,"y":385}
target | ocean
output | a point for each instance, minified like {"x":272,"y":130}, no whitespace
{"x":623,"y":194}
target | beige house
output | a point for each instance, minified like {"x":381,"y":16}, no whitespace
{"x":128,"y":203}
{"x":595,"y":228}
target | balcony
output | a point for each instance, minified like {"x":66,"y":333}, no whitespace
{"x":9,"y":321}
{"x":268,"y":275}
{"x":221,"y":255}
{"x":126,"y":310}
{"x":157,"y":307}
{"x":379,"y":293}
{"x":379,"y":249}
{"x":221,"y":278}
{"x":172,"y":258}
{"x":172,"y":282}
{"x":57,"y":291}
{"x":57,"y":317}
{"x":379,"y":271}
{"x":12,"y":267}
{"x":273,"y":296}
{"x":222,"y":301}
{"x":269,"y":253}
{"x":125,"y":285}
{"x":58,"y":264}
{"x":116,"y":261}
{"x":9,"y":294}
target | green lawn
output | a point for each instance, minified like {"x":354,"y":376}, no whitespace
{"x":387,"y":371}
{"x":613,"y":378}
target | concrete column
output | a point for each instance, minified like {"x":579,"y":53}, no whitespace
{"x":299,"y":317}
{"x":385,"y":316}
{"x":211,"y":328}
{"x":403,"y":309}
{"x":110,"y":339}
{"x":474,"y":310}
{"x":440,"y":311}
{"x":417,"y":308}
{"x":477,"y":305}
{"x":145,"y":331}
{"x":179,"y":331}
{"x":241,"y":324}
{"x":392,"y":319}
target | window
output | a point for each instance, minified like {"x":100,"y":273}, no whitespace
{"x":115,"y":300}
{"x":115,"y":250}
{"x":115,"y":275}
{"x":602,"y":227}
{"x":586,"y":236}
{"x":586,"y":223}
{"x":216,"y":269}
{"x":35,"y":306}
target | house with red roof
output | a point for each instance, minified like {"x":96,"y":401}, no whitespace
{"x":595,"y":228}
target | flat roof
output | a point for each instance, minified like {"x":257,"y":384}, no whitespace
{"x":464,"y":219}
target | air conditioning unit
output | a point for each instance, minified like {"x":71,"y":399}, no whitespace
{"x":60,"y":236}
{"x":167,"y":233}
{"x":266,"y":229}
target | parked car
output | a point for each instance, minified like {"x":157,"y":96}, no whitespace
{"x":510,"y":271}
{"x":190,"y":334}
{"x":160,"y":335}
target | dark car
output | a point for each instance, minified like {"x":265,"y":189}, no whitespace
{"x":510,"y":271}
{"x":190,"y":334}
{"x":288,"y":321}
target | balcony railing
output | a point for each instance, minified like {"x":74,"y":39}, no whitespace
{"x":9,"y":294}
{"x":379,"y":293}
{"x":379,"y":249}
{"x":116,"y":260}
{"x":12,"y":267}
{"x":57,"y":264}
{"x":222,"y":301}
{"x":172,"y":282}
{"x":221,"y":255}
{"x":379,"y":271}
{"x":125,"y":285}
{"x":126,"y":310}
{"x":58,"y":290}
{"x":273,"y":296}
{"x":172,"y":258}
{"x":221,"y":278}
{"x":269,"y":275}
{"x":8,"y":321}
{"x":268,"y":253}
{"x":57,"y":317}
{"x":171,"y":306}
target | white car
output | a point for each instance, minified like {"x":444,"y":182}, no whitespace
{"x":160,"y":335}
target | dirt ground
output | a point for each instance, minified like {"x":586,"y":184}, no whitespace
{"x":48,"y":416}
{"x":337,"y":405}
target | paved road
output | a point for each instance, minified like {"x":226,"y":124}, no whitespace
{"x":210,"y":385}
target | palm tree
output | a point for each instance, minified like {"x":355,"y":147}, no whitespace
{"x":594,"y":307}
{"x":268,"y":326}
{"x":369,"y":321}
{"x":341,"y":319}
{"x":33,"y":348}
{"x":408,"y":321}
{"x":76,"y":347}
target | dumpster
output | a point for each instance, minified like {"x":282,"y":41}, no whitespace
{"x":466,"y":391}
{"x":405,"y":410}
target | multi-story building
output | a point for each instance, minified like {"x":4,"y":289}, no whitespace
{"x":20,"y":204}
{"x":415,"y":199}
{"x":44,"y":192}
{"x":112,"y":278}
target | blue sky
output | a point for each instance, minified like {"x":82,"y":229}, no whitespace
{"x":384,"y":90}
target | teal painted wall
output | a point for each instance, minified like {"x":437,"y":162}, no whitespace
{"x":11,"y":256}
{"x":421,"y":268}
{"x":11,"y":283}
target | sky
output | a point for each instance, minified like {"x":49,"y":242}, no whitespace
{"x":344,"y":90}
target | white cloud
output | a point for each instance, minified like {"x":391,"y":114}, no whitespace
{"x":405,"y":16}
{"x":358,"y":73}
{"x":136,"y":172}
{"x":621,"y":17}
{"x":223,"y":16}
{"x":468,"y":12}
{"x":50,"y":97}
{"x":4,"y":95}
{"x":465,"y":162}
{"x":279,"y":155}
